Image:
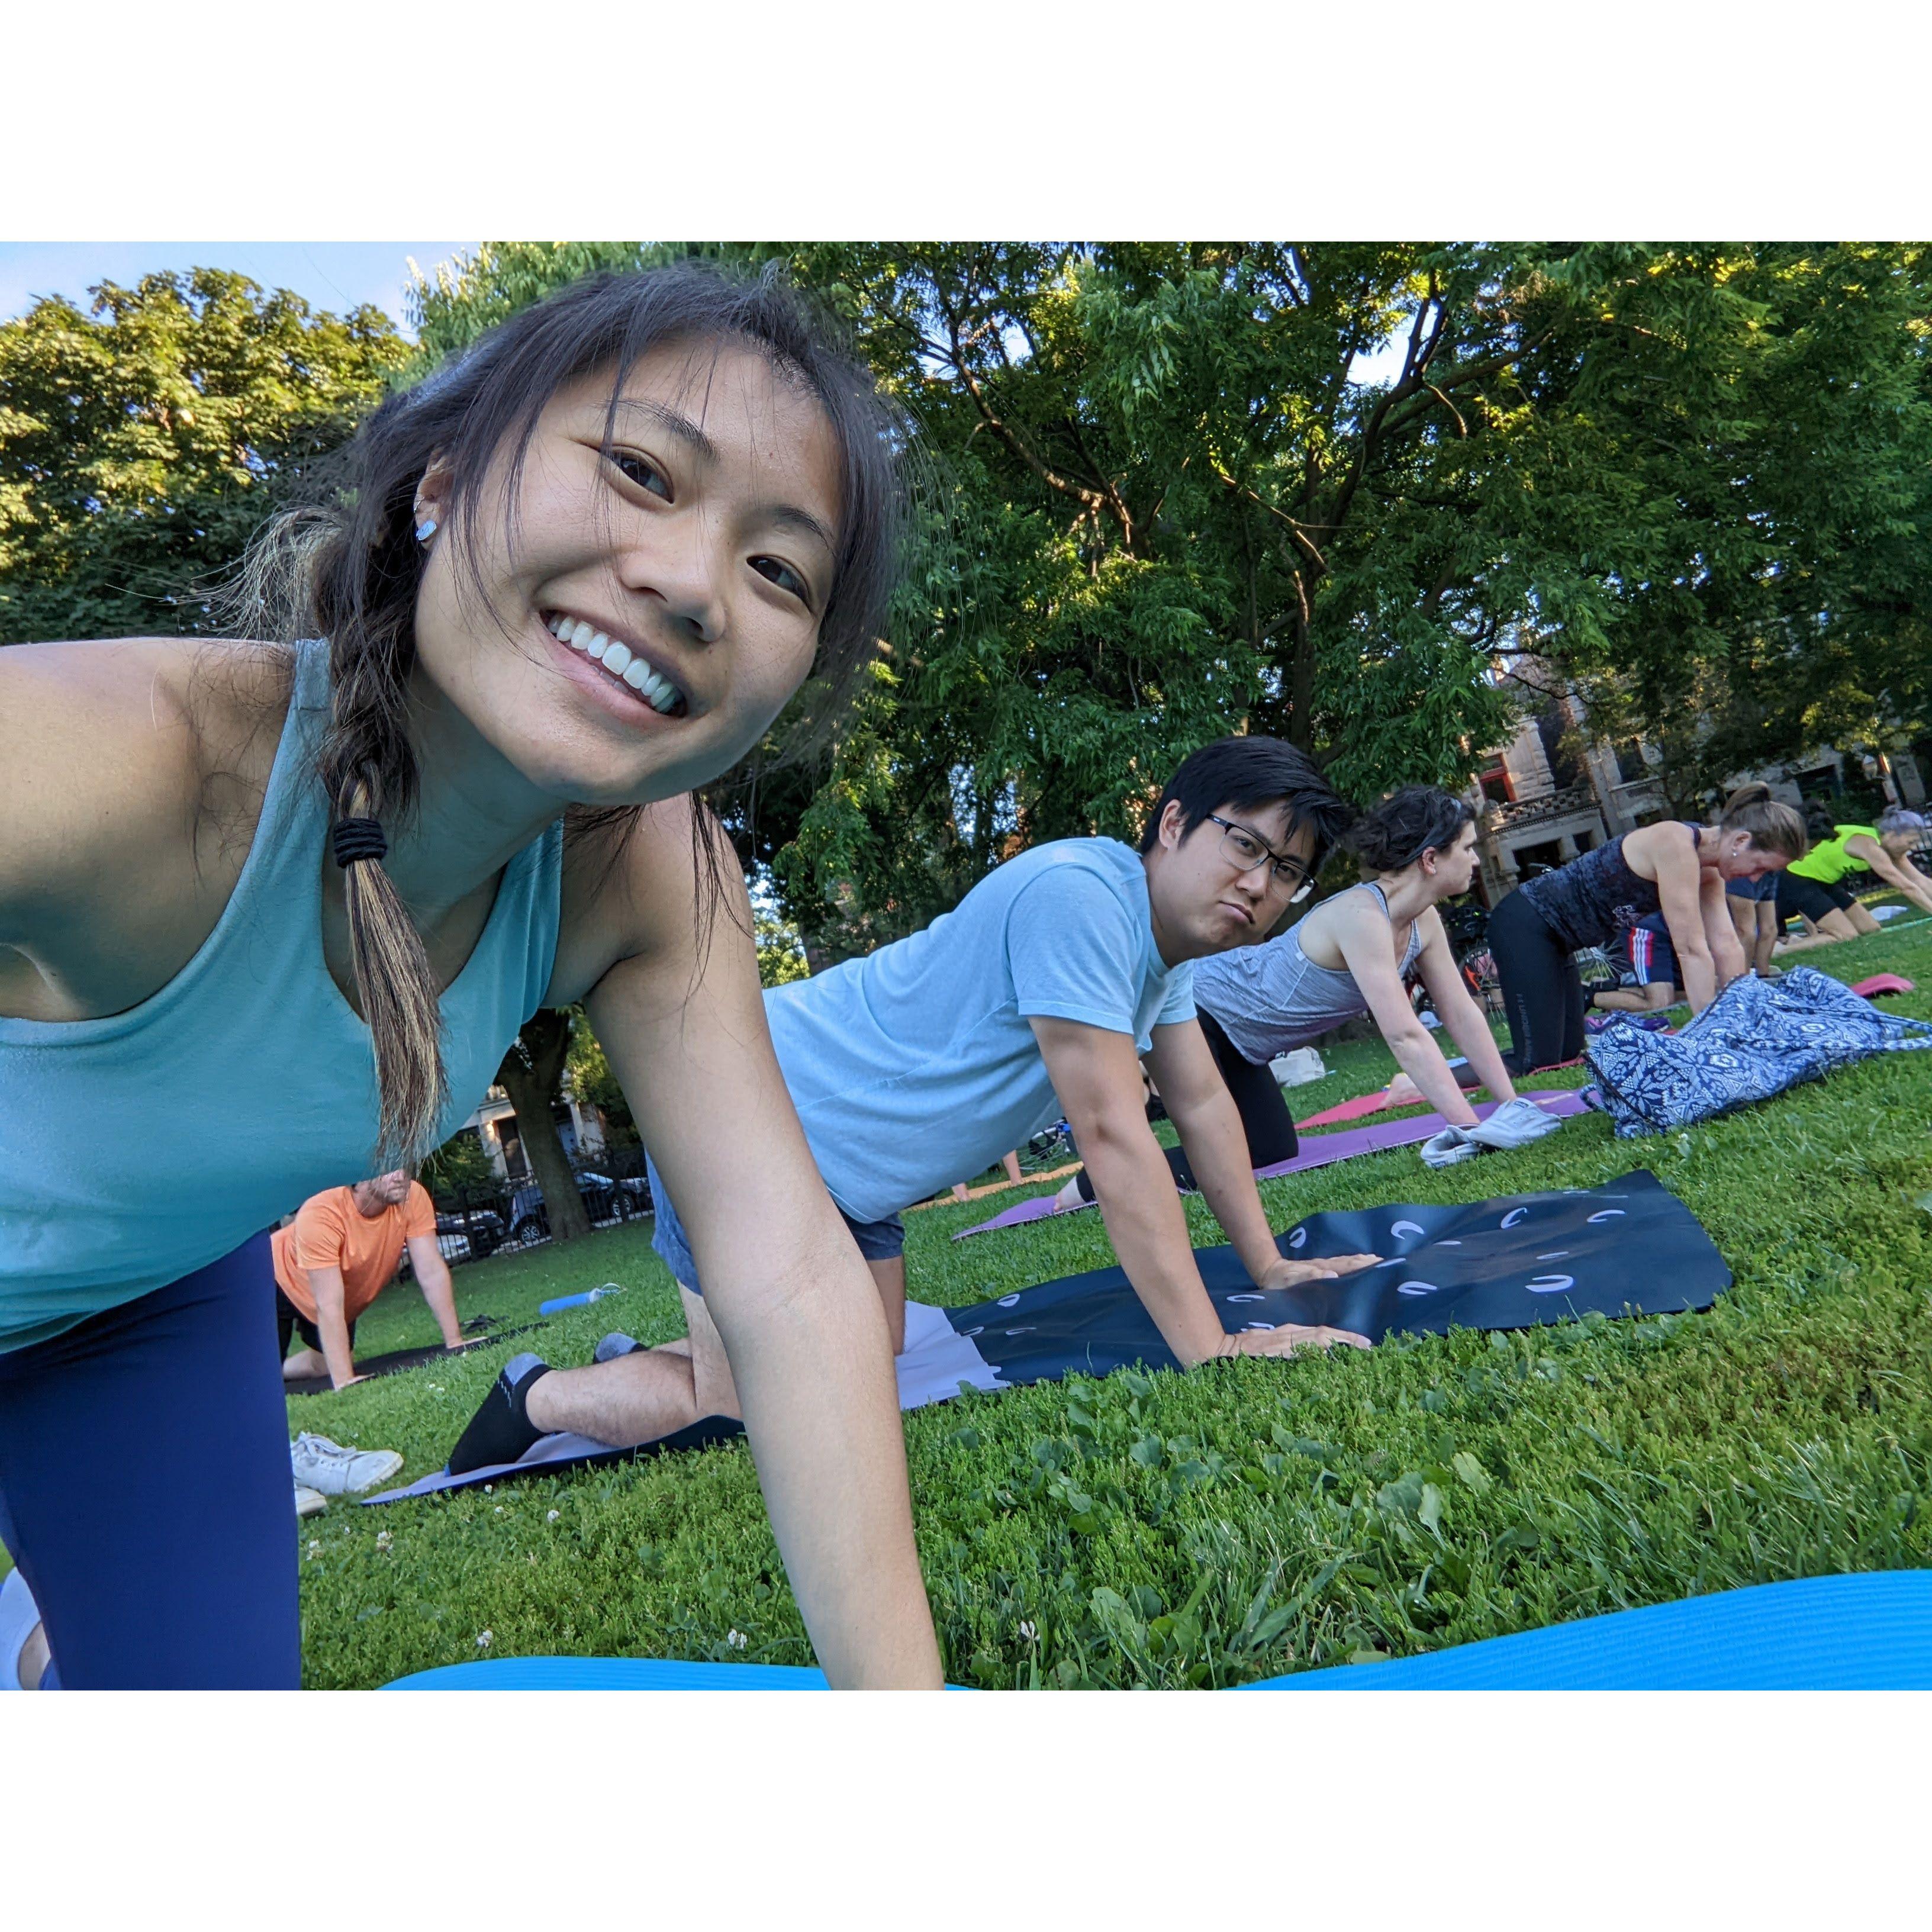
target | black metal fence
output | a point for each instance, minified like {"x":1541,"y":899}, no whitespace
{"x":475,"y":1221}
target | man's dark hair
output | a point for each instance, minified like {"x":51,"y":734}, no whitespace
{"x":1249,"y":774}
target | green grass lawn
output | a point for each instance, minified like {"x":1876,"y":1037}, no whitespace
{"x":1256,"y":1517}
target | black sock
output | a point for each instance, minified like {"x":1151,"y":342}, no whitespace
{"x":501,"y":1430}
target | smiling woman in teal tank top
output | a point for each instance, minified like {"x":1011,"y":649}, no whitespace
{"x":270,"y":914}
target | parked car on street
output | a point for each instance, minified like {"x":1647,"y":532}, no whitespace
{"x":471,"y":1233}
{"x":605,"y":1200}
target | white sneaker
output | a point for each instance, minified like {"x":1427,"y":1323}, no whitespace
{"x":19,"y":1619}
{"x":309,"y":1502}
{"x":337,"y":1471}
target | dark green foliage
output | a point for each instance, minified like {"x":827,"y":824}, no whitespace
{"x":142,"y":443}
{"x":459,"y":1163}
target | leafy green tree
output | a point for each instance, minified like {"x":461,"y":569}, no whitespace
{"x":1790,"y":611}
{"x":782,"y":957}
{"x":458,"y":1165}
{"x":142,"y":442}
{"x":531,"y":1075}
{"x":1334,"y":491}
{"x":594,"y":1085}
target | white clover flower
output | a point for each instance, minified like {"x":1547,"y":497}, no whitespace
{"x":383,"y":1539}
{"x":485,"y":1639}
{"x":552,"y":1516}
{"x":1028,"y":1634}
{"x":314,"y":1548}
{"x":737,"y":1639}
{"x":498,"y":1510}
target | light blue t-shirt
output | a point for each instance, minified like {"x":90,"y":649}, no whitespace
{"x":915,"y":1067}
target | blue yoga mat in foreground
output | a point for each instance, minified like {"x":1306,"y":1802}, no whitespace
{"x":1864,"y":1633}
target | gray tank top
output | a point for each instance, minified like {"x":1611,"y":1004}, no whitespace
{"x":1269,"y":999}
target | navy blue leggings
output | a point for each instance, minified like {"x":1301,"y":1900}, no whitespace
{"x":145,"y":1490}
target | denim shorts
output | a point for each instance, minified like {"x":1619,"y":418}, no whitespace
{"x":878,"y":1240}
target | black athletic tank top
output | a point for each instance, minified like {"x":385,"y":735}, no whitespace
{"x":1596,"y":899}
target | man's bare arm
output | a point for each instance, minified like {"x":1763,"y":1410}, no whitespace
{"x":332,"y":1324}
{"x":1097,"y":1075}
{"x":432,"y":1274}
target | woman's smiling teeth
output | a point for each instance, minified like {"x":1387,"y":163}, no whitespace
{"x":657,"y":690}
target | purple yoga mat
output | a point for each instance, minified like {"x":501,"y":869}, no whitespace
{"x":1320,"y":1152}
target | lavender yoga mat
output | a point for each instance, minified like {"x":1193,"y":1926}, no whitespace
{"x":1321,"y":1152}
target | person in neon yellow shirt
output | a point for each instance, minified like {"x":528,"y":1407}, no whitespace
{"x":1814,"y":887}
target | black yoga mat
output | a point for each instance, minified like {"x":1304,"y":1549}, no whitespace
{"x":398,"y":1360}
{"x":1629,"y":1247}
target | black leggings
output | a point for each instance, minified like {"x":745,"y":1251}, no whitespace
{"x":1542,"y":995}
{"x":1265,"y":1119}
{"x":290,"y":1321}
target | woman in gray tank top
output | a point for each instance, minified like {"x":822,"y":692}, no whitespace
{"x":1351,"y":956}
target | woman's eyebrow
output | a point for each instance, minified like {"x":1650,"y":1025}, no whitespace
{"x":674,"y":423}
{"x":789,"y":516}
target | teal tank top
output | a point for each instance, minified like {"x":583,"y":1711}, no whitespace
{"x":137,"y":1148}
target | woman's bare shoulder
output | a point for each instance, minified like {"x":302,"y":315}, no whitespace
{"x":116,"y":749}
{"x":1668,"y":839}
{"x":642,"y":885}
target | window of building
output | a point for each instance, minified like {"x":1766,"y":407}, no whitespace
{"x":1631,"y":769}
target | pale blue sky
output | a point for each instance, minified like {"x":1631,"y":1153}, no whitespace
{"x":333,"y":275}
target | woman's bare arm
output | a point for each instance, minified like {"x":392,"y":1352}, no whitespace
{"x":1903,"y":878}
{"x":1359,"y":931}
{"x":1728,"y":957}
{"x":128,"y":812}
{"x":1461,"y":1018}
{"x":799,"y":1315}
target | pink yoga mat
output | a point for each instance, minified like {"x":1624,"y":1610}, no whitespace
{"x":1348,"y":1110}
{"x":1322,"y":1152}
{"x":1374,"y":1103}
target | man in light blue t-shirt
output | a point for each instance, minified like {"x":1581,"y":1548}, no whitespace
{"x":1039,"y":994}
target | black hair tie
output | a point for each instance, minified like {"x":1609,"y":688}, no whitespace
{"x":354,"y":839}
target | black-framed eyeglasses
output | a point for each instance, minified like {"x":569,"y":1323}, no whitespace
{"x":1245,"y":852}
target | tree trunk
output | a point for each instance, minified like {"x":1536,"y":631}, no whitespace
{"x":1301,"y":685}
{"x":529,"y":1074}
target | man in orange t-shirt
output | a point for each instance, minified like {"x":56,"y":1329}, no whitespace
{"x":340,"y":1252}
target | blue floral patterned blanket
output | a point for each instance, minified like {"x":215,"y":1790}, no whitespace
{"x":1756,"y":1038}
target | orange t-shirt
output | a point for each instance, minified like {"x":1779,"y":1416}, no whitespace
{"x":330,"y":1231}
